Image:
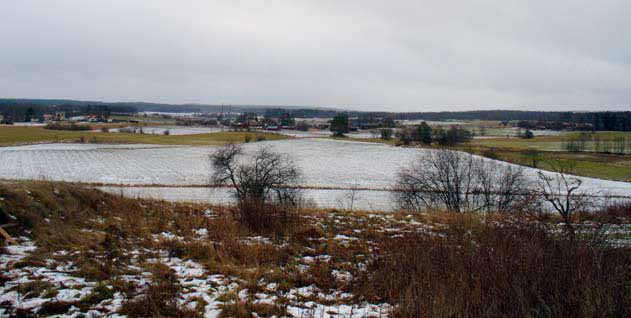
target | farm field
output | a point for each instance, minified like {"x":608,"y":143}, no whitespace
{"x":172,"y":130}
{"x":343,"y":199}
{"x":16,"y":135}
{"x":603,"y":166}
{"x":330,"y":169}
{"x":150,"y":120}
{"x":587,"y":164}
{"x":549,"y":142}
{"x":364,"y":134}
{"x":552,"y":152}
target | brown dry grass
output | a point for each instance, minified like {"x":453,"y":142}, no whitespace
{"x":437,"y":264}
{"x":482,"y":270}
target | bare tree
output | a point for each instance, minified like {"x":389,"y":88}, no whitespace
{"x":458,"y":182}
{"x":266,"y":200}
{"x":560,"y":190}
{"x":501,"y":187}
{"x":439,"y":177}
{"x":266,"y":177}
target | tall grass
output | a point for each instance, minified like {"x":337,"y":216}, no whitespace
{"x":264,"y":217}
{"x":460,"y":266}
{"x":480,"y":270}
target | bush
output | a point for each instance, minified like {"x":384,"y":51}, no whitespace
{"x":262,"y":186}
{"x":339,"y":125}
{"x":263,"y":217}
{"x":451,"y":137}
{"x":528,"y":134}
{"x":619,"y":212}
{"x":386,"y":133}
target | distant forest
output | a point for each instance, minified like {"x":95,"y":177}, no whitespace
{"x":25,"y":109}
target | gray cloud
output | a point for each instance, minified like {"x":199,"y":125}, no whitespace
{"x":370,"y":55}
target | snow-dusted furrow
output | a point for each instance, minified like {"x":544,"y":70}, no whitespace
{"x":324,"y":163}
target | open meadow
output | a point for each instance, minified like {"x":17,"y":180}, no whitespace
{"x":19,"y":135}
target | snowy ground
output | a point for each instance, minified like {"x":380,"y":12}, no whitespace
{"x":55,"y":287}
{"x":173,"y":130}
{"x":364,"y":134}
{"x":365,"y":200}
{"x":324,"y":163}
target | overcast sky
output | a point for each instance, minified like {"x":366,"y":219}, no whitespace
{"x":369,"y":55}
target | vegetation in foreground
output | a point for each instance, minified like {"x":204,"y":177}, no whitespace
{"x":18,"y":135}
{"x":101,"y":253}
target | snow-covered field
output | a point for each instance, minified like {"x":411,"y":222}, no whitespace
{"x":305,"y":134}
{"x":173,"y":130}
{"x":363,"y":134}
{"x":324,"y":163}
{"x":373,"y":200}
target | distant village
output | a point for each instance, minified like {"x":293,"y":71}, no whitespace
{"x":42,"y":112}
{"x":272,"y":120}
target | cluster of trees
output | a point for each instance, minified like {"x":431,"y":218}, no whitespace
{"x":425,"y":134}
{"x":593,"y":142}
{"x":599,"y":121}
{"x":19,"y":110}
{"x":592,"y":121}
{"x":264,"y":185}
{"x":459,"y":182}
{"x":444,"y":179}
{"x":339,"y":125}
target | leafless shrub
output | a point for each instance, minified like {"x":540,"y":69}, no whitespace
{"x":262,"y":184}
{"x":502,"y":187}
{"x":460,"y":183}
{"x":560,"y":190}
{"x":610,"y":213}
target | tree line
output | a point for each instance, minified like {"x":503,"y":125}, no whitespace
{"x":27,"y":110}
